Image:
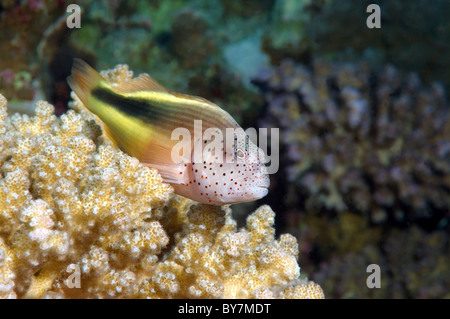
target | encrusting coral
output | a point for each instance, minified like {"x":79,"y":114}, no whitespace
{"x":362,"y":140}
{"x":81,"y":219}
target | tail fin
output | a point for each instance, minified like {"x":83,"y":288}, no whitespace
{"x":83,"y":80}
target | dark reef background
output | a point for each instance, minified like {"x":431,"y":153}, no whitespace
{"x":363,"y":113}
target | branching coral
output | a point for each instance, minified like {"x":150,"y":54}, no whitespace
{"x":81,"y":219}
{"x":362,"y":140}
{"x":59,"y":191}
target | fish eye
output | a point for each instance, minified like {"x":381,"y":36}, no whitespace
{"x":239,"y":153}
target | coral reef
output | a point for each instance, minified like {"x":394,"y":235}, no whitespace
{"x":81,"y":219}
{"x":325,"y":237}
{"x":287,"y":35}
{"x":413,"y":35}
{"x":359,"y":140}
{"x":413,"y":264}
{"x":22,"y":24}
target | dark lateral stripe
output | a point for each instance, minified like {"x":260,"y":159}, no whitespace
{"x":133,"y":107}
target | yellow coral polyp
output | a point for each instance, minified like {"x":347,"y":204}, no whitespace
{"x":72,"y":204}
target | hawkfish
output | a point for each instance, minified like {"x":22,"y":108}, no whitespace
{"x":140,"y":116}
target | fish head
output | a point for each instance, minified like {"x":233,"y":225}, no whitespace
{"x":239,"y":175}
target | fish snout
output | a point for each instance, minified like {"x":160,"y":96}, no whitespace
{"x":263,"y":181}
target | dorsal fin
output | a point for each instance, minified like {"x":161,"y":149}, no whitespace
{"x":83,"y":80}
{"x":142,"y":83}
{"x":193,"y":97}
{"x":145,"y":82}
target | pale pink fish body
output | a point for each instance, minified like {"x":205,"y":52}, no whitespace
{"x":239,"y":176}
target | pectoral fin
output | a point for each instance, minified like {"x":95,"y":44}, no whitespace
{"x":172,"y":174}
{"x":142,"y":83}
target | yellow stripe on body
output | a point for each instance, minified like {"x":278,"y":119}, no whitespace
{"x":186,"y":109}
{"x":131,"y":134}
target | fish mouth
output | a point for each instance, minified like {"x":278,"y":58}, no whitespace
{"x":264,"y":183}
{"x":263,"y":190}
